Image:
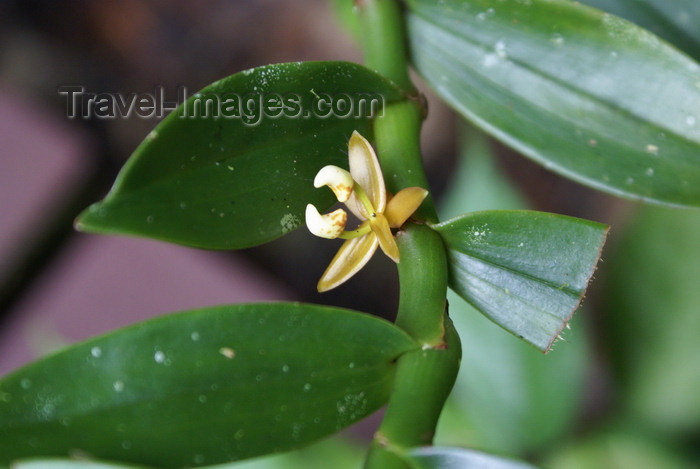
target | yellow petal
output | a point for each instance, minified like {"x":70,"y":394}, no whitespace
{"x":328,"y":226}
{"x":403,"y":204}
{"x":339,"y":180}
{"x":380,"y":226}
{"x":365,"y":170}
{"x":350,"y":258}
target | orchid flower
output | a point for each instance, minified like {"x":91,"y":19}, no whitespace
{"x":364,"y":194}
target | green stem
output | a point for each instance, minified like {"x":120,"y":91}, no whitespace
{"x":423,"y":280}
{"x":425,"y":377}
{"x":397,"y":136}
{"x":384,"y":40}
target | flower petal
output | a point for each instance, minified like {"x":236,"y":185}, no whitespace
{"x":365,"y":170}
{"x":350,"y":258}
{"x":403,"y":204}
{"x":380,"y":226}
{"x":328,"y":226}
{"x":339,"y":180}
{"x":357,"y":208}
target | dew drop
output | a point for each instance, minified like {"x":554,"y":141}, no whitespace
{"x":500,"y":49}
{"x":159,"y":356}
{"x":96,"y":352}
{"x":557,"y":39}
{"x":194,"y":336}
{"x":26,"y":383}
{"x":650,"y":171}
{"x":118,"y":385}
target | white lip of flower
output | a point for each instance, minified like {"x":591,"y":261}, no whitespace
{"x":339,"y":180}
{"x":364,"y":194}
{"x":329,"y":226}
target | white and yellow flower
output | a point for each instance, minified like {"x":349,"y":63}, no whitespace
{"x":364,"y":193}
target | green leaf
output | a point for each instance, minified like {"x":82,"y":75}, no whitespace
{"x":584,"y":93}
{"x":676,"y":21}
{"x":203,"y":387}
{"x":234,"y":182}
{"x":653,"y":319}
{"x":527,"y":271}
{"x":457,"y":458}
{"x":67,"y":464}
{"x":345,"y":454}
{"x":508,"y":398}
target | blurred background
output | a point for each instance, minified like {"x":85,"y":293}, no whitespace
{"x":622,"y":389}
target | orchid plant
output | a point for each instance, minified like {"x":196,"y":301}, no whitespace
{"x":563,"y":83}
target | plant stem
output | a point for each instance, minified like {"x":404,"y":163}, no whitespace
{"x":384,"y":41}
{"x":425,"y":377}
{"x":397,"y":137}
{"x":423,"y":279}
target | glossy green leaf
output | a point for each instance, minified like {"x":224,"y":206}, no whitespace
{"x":676,"y":21}
{"x":344,"y":452}
{"x":653,"y":318}
{"x":508,"y":398}
{"x":527,"y":271}
{"x":232,"y":181}
{"x":203,"y":387}
{"x":67,"y":464}
{"x":584,"y":93}
{"x":457,"y":458}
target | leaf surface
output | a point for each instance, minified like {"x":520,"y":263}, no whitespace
{"x":457,"y":458}
{"x":210,"y":177}
{"x":676,"y":21}
{"x":203,"y":387}
{"x":586,"y":94}
{"x":527,"y":271}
